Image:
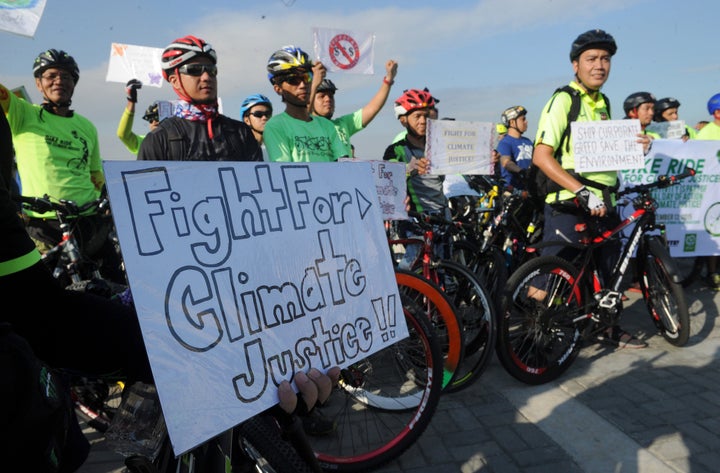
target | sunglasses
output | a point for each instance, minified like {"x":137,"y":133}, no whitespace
{"x":296,"y":79}
{"x":196,"y":70}
{"x":260,"y":114}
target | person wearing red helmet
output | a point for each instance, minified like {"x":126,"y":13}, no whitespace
{"x":585,"y":197}
{"x":426,"y":193}
{"x":197,"y":131}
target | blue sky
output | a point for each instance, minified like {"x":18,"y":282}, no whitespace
{"x":478,"y":57}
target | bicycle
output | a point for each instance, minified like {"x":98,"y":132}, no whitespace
{"x":468,"y":296}
{"x":552,"y":306}
{"x":67,"y":260}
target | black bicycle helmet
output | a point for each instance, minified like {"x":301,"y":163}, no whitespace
{"x":327,"y":86}
{"x":58,"y":59}
{"x":633,"y":101}
{"x":663,"y":104}
{"x":593,"y":39}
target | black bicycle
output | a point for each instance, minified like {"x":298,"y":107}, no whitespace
{"x":551,"y":306}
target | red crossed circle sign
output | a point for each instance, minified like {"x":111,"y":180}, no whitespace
{"x":344,"y":51}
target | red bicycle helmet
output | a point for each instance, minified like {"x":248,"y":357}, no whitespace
{"x":183,"y":50}
{"x":413,"y":99}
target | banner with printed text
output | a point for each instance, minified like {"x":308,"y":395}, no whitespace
{"x":691,"y":209}
{"x":345,"y":51}
{"x":21,"y":16}
{"x":128,"y":61}
{"x":245,"y":273}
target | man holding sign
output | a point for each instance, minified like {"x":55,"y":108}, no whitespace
{"x":579,"y":198}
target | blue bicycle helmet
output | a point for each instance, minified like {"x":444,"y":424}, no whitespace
{"x":714,"y":104}
{"x":251,"y":101}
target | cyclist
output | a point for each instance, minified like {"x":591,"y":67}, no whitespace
{"x":124,"y":130}
{"x":641,"y":105}
{"x":255,"y":111}
{"x":197,"y":131}
{"x":58,"y":154}
{"x":323,"y":102}
{"x":711,"y":131}
{"x":666,"y":110}
{"x":295,"y":135}
{"x":515,"y":149}
{"x":412,"y":109}
{"x":576,"y":202}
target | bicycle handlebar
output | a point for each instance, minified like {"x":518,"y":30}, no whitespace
{"x":661,"y":182}
{"x":67,"y":208}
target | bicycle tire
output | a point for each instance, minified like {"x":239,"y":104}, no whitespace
{"x":491,"y":268}
{"x":664,"y":297}
{"x":368,"y":437}
{"x":539,"y":340}
{"x":442,"y":316}
{"x":261,"y":440}
{"x":476,"y":311}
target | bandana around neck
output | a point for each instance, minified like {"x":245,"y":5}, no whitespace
{"x":202,"y":113}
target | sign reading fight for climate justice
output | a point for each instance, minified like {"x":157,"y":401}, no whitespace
{"x":459,"y":147}
{"x":245,"y":273}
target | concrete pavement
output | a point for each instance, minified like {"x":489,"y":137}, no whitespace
{"x":626,"y":411}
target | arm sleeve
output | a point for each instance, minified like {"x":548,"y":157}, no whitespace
{"x":125,"y":133}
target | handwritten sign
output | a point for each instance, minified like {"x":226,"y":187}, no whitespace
{"x":689,"y":209}
{"x":606,"y":145}
{"x":390,"y":184}
{"x":459,"y":147}
{"x":245,"y":273}
{"x":21,"y":16}
{"x":674,"y":129}
{"x":128,"y":61}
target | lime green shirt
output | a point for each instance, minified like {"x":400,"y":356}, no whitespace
{"x":552,"y":124}
{"x":55,"y":155}
{"x":124,"y":132}
{"x":288,"y":139}
{"x":346,"y":126}
{"x":711,"y":131}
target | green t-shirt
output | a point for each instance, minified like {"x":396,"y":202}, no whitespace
{"x":711,"y":131}
{"x":55,"y":155}
{"x":346,"y":126}
{"x":288,"y":139}
{"x":552,"y":124}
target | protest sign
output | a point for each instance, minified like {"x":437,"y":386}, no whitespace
{"x":606,"y":145}
{"x":459,"y":147}
{"x":21,"y":16}
{"x":390,"y":184}
{"x":21,"y":92}
{"x":245,"y":273}
{"x":345,"y":51}
{"x":674,"y":129}
{"x":128,"y":61}
{"x":688,"y":209}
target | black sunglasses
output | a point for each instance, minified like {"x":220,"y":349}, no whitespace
{"x":196,"y":70}
{"x":259,"y":114}
{"x":296,"y":79}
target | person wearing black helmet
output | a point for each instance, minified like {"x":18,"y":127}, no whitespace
{"x":322,"y":102}
{"x":58,"y":154}
{"x":666,"y":110}
{"x":124,"y":131}
{"x":641,"y":106}
{"x":197,"y":131}
{"x":585,"y":197}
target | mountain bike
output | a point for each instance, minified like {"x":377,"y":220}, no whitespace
{"x":552,"y":306}
{"x":471,"y":301}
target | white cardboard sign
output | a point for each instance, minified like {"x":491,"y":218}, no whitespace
{"x":459,"y":147}
{"x":606,"y":145}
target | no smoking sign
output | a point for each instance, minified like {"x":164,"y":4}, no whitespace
{"x":344,"y":51}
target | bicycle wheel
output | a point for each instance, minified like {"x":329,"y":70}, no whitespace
{"x":664,"y":297}
{"x":384,"y":402}
{"x":474,"y":307}
{"x":539,"y":337}
{"x":442,"y":316}
{"x":263,"y":444}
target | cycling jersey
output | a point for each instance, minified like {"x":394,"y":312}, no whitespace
{"x":711,"y":131}
{"x":520,"y":151}
{"x":552,"y":124}
{"x":180,"y":139}
{"x":288,"y":139}
{"x":55,"y":155}
{"x":124,"y":132}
